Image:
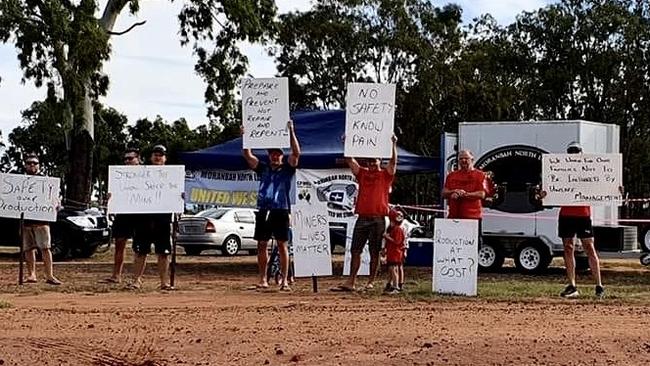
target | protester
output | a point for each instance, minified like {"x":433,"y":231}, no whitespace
{"x":274,"y":204}
{"x":372,"y":208}
{"x":465,"y":189}
{"x":36,"y":235}
{"x":153,"y":229}
{"x":394,"y":251}
{"x":123,"y":225}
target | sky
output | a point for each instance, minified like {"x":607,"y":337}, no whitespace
{"x":151,"y":74}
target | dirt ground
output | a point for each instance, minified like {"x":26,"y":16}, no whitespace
{"x":212,"y":319}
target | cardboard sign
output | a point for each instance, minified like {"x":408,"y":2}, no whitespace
{"x":369,"y":120}
{"x":582,"y":179}
{"x":311,"y":239}
{"x":35,"y":196}
{"x":265,"y":109}
{"x":146,"y":188}
{"x":455,"y":257}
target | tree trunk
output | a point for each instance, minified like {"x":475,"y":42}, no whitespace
{"x":79,"y":179}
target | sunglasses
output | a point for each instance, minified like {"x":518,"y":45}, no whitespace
{"x":31,"y":163}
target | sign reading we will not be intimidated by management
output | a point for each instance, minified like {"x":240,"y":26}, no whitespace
{"x":265,"y":112}
{"x":146,"y":188}
{"x":369,"y":120}
{"x":34,"y":195}
{"x":579,"y":179}
{"x":455,"y":257}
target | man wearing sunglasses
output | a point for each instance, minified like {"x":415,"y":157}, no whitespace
{"x":36,"y":235}
{"x":123,"y":225}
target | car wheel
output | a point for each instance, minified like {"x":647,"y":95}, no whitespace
{"x":582,"y":263}
{"x":86,"y":252}
{"x":60,"y":250}
{"x":192,"y":251}
{"x":230,"y":246}
{"x":532,"y":257}
{"x":490,"y":258}
{"x":645,"y":259}
{"x":645,"y":240}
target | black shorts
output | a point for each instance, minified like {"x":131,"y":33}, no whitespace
{"x":368,"y":230}
{"x":570,"y":226}
{"x":272,"y":223}
{"x":124,"y":226}
{"x":156,"y":230}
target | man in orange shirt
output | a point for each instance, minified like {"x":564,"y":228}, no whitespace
{"x":372,"y":207}
{"x":464,"y":189}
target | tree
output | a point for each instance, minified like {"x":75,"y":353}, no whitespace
{"x":63,"y":42}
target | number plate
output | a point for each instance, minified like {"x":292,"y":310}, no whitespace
{"x":105,"y":233}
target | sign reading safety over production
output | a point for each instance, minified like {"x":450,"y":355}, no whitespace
{"x":311,"y":237}
{"x":265,"y":108}
{"x":582,"y":179}
{"x":146,"y":188}
{"x":369,"y":119}
{"x":455,"y":257}
{"x":35,"y":196}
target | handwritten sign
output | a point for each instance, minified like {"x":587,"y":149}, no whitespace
{"x":455,"y":257}
{"x":311,"y":239}
{"x":369,"y":120}
{"x":580,"y":179}
{"x":35,"y":196}
{"x":146,"y":188}
{"x":265,"y":108}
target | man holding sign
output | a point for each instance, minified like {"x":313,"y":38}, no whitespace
{"x":273,"y":204}
{"x":465,"y":189}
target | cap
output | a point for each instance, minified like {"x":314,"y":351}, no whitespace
{"x":159,"y":149}
{"x":393,"y":215}
{"x":272,"y":150}
{"x":574,"y":148}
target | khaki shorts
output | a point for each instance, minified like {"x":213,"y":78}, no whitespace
{"x":36,"y":237}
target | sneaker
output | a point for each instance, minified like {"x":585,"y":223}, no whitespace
{"x":570,"y":291}
{"x":600,"y":292}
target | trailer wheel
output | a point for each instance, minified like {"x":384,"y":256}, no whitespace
{"x":490,"y":257}
{"x":645,"y":240}
{"x":532,"y":257}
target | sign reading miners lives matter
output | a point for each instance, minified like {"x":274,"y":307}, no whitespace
{"x":265,"y":108}
{"x":311,"y":238}
{"x":34,"y":195}
{"x":579,"y":179}
{"x":455,"y":256}
{"x":146,"y":188}
{"x":369,"y":119}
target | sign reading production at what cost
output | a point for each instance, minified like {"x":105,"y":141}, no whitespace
{"x":311,"y":237}
{"x":35,"y":196}
{"x":265,"y":108}
{"x":146,"y":188}
{"x":455,"y":257}
{"x":580,"y":179}
{"x":369,"y":119}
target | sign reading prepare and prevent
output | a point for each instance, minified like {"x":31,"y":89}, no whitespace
{"x":455,"y":257}
{"x":146,"y":188}
{"x":311,"y":239}
{"x":35,"y":196}
{"x":582,"y":179}
{"x":265,"y":109}
{"x":369,"y":120}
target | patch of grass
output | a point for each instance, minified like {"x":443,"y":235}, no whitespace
{"x":5,"y":304}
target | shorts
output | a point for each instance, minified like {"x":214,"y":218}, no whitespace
{"x":153,"y":230}
{"x":36,"y":237}
{"x":272,"y":223}
{"x":570,"y":226}
{"x":370,"y":230}
{"x":124,"y":226}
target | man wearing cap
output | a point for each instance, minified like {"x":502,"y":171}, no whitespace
{"x":36,"y":235}
{"x":272,"y":217}
{"x":153,"y":229}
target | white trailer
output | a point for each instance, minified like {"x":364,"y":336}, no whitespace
{"x":515,"y":225}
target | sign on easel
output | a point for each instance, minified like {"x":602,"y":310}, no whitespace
{"x":146,"y":188}
{"x":455,"y":257}
{"x":34,"y":195}
{"x":311,"y":239}
{"x":265,"y":112}
{"x":369,"y":120}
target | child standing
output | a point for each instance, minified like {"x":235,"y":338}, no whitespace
{"x":394,"y":250}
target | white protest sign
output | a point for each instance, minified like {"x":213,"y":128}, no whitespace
{"x":265,"y":109}
{"x":364,"y":269}
{"x":369,"y":120}
{"x":455,"y":256}
{"x":582,"y":179}
{"x":35,"y":196}
{"x":311,"y":239}
{"x":146,"y":188}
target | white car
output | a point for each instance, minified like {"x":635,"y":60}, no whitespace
{"x":227,"y":229}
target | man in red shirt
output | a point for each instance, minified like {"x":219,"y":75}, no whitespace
{"x":464,"y":189}
{"x":372,"y":208}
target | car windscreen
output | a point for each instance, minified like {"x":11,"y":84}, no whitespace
{"x":213,"y":213}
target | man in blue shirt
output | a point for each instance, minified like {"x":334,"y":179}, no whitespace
{"x":272,"y":218}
